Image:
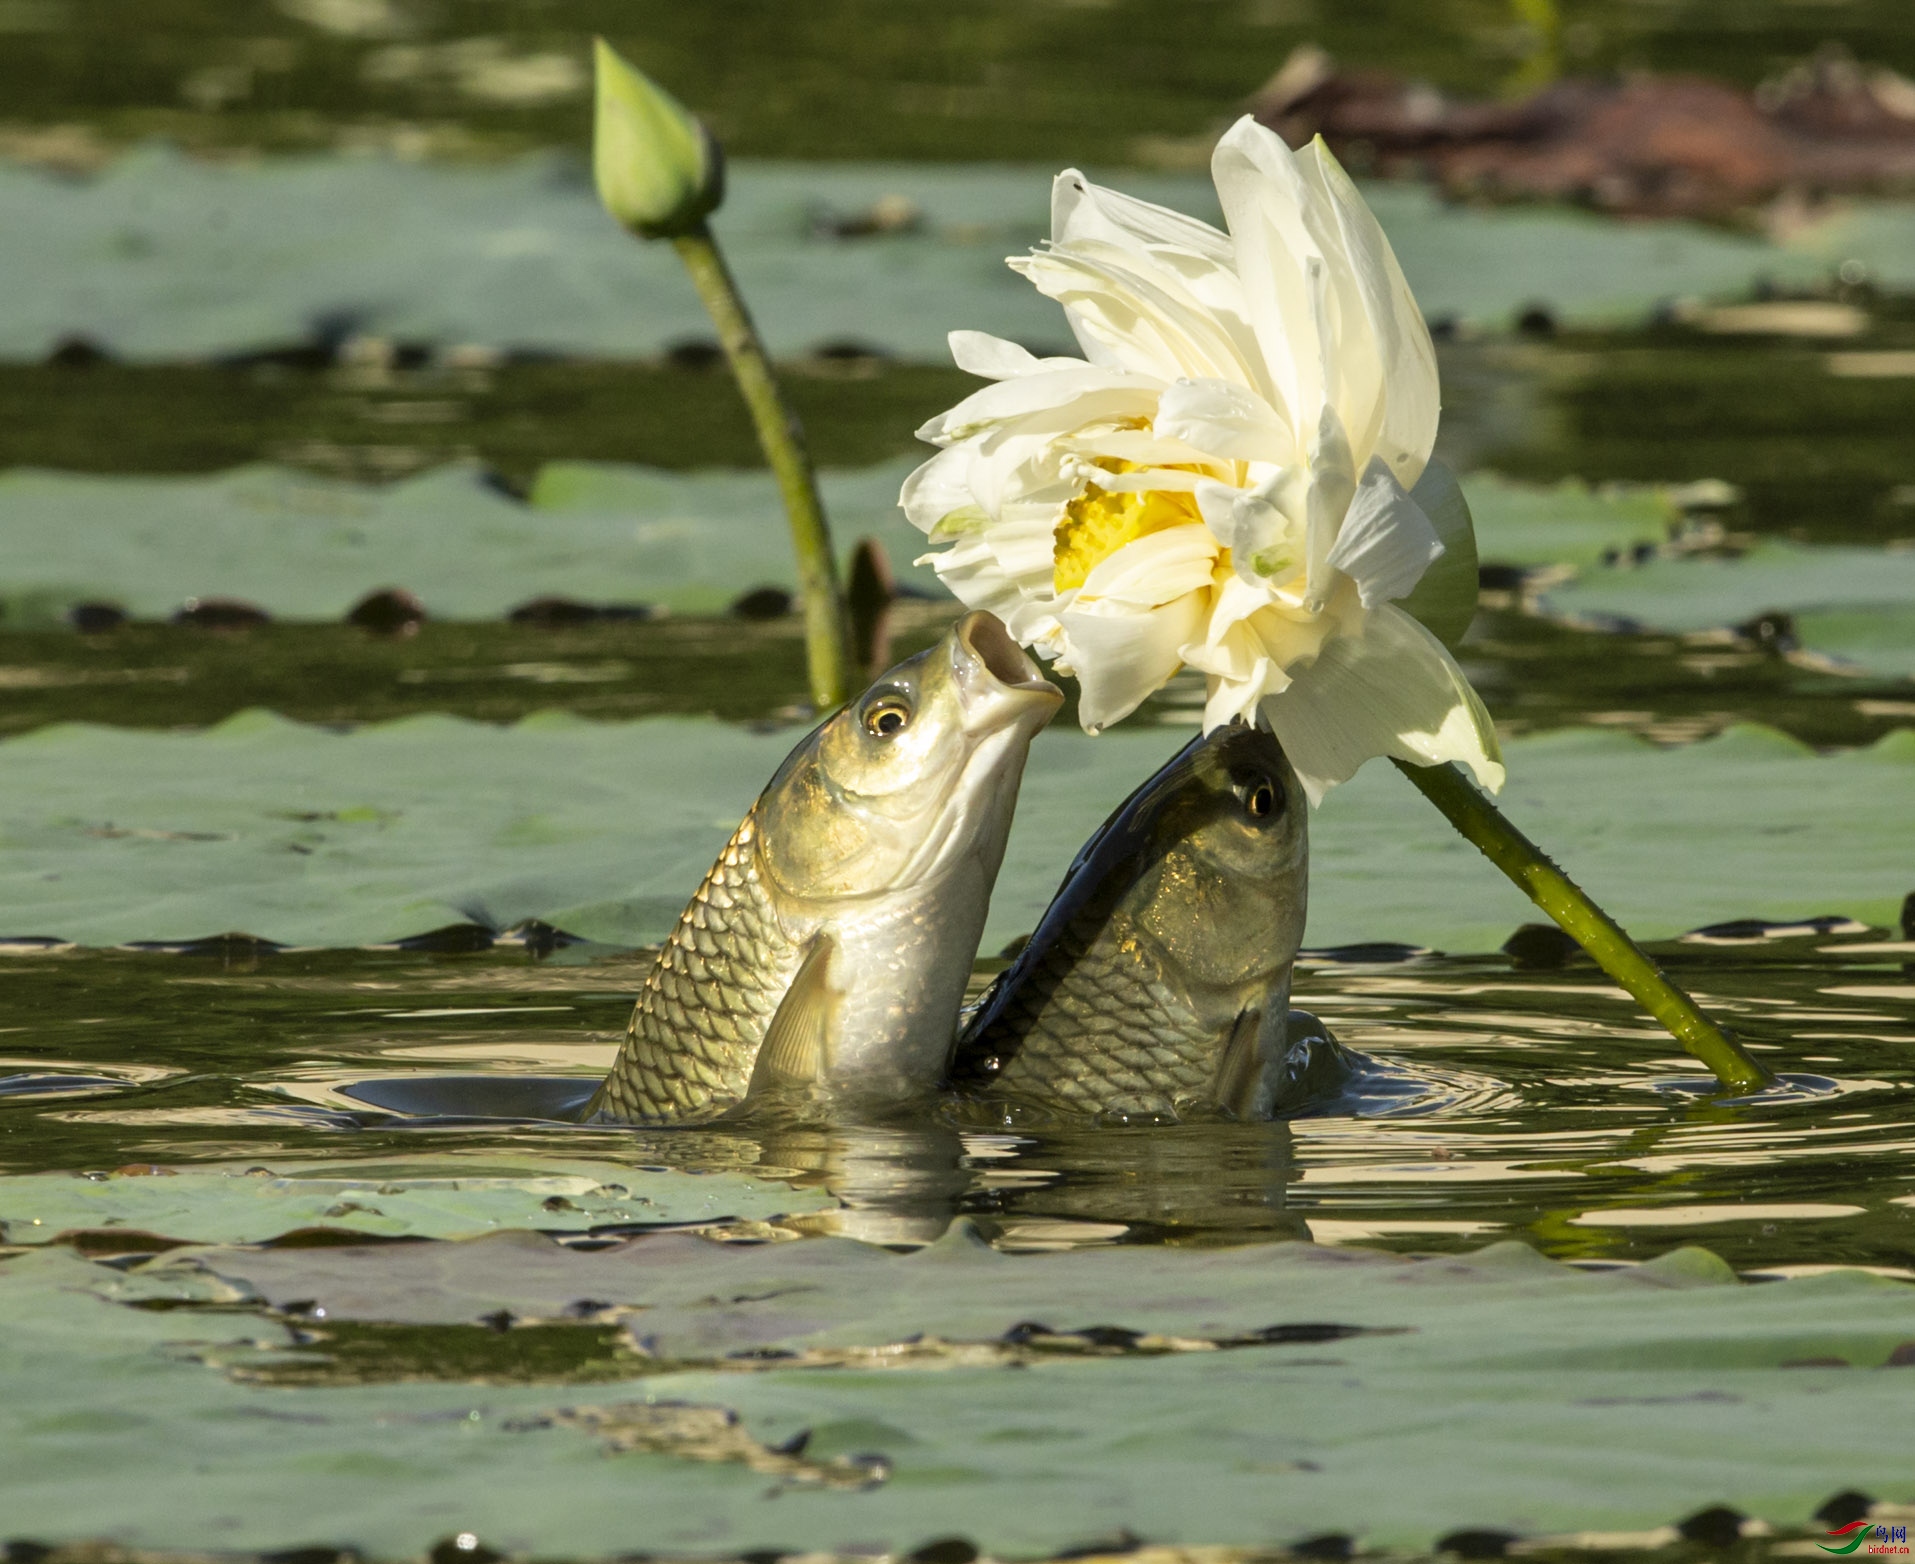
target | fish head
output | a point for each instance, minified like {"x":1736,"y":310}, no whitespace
{"x":1225,"y":879}
{"x":917,"y":774}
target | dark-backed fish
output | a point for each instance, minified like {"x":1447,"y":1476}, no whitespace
{"x":824,"y":957}
{"x":1158,"y":983}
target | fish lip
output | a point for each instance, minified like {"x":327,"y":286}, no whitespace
{"x":997,"y":681}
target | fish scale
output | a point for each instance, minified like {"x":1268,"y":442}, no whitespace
{"x":708,"y":1000}
{"x":1094,"y":1024}
{"x":1157,"y":983}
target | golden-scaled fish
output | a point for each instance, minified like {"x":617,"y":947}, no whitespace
{"x":825,"y":955}
{"x":1157,"y":985}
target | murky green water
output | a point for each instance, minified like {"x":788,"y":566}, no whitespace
{"x":1100,"y":81}
{"x":1535,"y":1104}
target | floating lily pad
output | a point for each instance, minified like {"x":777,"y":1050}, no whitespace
{"x":689,"y":1300}
{"x":1880,"y":238}
{"x":303,"y":547}
{"x":1878,"y":637}
{"x":1858,"y":604}
{"x":315,"y":837}
{"x":310,"y":548}
{"x":161,"y":257}
{"x":706,"y":532}
{"x":1666,"y":840}
{"x":1567,"y":524}
{"x":1507,"y":1392}
{"x":444,"y":1197}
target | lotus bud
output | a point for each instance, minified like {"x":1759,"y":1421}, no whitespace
{"x":658,"y":170}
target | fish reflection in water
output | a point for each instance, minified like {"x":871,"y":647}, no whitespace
{"x":902,"y":1182}
{"x":896,"y":1183}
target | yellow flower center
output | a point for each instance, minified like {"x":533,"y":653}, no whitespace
{"x":1098,"y":523}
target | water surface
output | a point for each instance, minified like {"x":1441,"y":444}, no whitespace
{"x":1534,"y":1104}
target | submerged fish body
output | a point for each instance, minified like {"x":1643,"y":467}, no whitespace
{"x":1157,"y":985}
{"x":826,"y":952}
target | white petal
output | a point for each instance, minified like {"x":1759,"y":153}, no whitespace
{"x":1266,"y":545}
{"x":1224,"y":419}
{"x":1024,"y":544}
{"x":1386,"y":542}
{"x":1172,"y":253}
{"x":1021,"y":460}
{"x":1035,"y":625}
{"x":1354,"y":380}
{"x":980,"y":353}
{"x":939,"y":487}
{"x":1240,"y":669}
{"x":1174,"y":480}
{"x":1264,"y":199}
{"x":1123,"y":654}
{"x":1445,"y":599}
{"x":1407,"y":357}
{"x":1032,"y":393}
{"x":1182,"y":256}
{"x":1285,"y":633}
{"x":1388,"y":689}
{"x":1332,"y":486}
{"x":975,"y":579}
{"x":1082,"y":210}
{"x":1139,"y":446}
{"x":1155,"y":568}
{"x":1228,"y":700}
{"x":1215,"y":285}
{"x":1133,"y":317}
{"x":1235,"y":601}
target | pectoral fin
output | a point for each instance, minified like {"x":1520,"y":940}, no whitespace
{"x":796,"y":1048}
{"x":1240,"y":1067}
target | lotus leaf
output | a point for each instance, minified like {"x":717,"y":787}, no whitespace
{"x":1851,"y":602}
{"x":1567,"y":524}
{"x":144,"y":257}
{"x":444,"y":1197}
{"x":1515,"y":1398}
{"x":689,"y":1299}
{"x":315,"y":837}
{"x":303,"y":547}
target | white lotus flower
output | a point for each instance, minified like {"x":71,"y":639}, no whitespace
{"x":1235,"y":478}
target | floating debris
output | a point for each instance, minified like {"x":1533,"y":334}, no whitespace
{"x":391,"y":611}
{"x":560,"y":613}
{"x":709,"y":1433}
{"x":96,"y":618}
{"x":1638,"y":144}
{"x":226,"y":614}
{"x":889,"y":214}
{"x":1541,"y":947}
{"x":762,"y":603}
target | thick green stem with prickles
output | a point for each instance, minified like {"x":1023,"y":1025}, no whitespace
{"x":827,"y":640}
{"x":1482,"y":825}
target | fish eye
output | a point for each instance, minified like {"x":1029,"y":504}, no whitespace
{"x":886,"y":715}
{"x":1260,"y":796}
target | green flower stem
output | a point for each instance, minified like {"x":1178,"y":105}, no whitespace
{"x":827,"y":641}
{"x":1482,"y":825}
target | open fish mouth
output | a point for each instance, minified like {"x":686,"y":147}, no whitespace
{"x":998,"y":683}
{"x":1003,"y":700}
